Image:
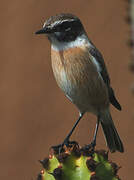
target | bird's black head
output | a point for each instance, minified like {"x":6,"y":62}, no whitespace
{"x":62,"y":27}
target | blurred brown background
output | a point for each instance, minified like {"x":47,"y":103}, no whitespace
{"x":34,"y":114}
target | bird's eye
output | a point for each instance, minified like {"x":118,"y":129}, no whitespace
{"x":63,"y":27}
{"x":66,"y":26}
{"x":68,"y":29}
{"x":58,"y":28}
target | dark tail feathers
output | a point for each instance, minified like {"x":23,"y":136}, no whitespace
{"x":112,"y":138}
{"x":113,"y":99}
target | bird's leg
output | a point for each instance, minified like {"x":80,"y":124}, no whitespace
{"x":66,"y":140}
{"x":93,"y":143}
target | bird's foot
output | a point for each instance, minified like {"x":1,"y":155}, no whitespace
{"x":61,"y":147}
{"x":89,"y":148}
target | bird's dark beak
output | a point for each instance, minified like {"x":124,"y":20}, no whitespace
{"x":43,"y":31}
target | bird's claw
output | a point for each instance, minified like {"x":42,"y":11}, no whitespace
{"x":61,"y":147}
{"x":90,"y":147}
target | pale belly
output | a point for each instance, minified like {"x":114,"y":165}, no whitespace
{"x":80,"y":81}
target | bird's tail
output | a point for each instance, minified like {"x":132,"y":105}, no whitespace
{"x":112,"y":138}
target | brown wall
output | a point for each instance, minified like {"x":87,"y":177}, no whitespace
{"x":34,"y":114}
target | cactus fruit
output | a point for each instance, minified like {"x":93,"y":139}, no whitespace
{"x":76,"y":163}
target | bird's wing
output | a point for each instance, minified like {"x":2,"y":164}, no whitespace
{"x":99,"y":58}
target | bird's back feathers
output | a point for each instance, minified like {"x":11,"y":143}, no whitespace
{"x":96,"y":54}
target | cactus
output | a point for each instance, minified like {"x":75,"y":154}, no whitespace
{"x":76,"y":163}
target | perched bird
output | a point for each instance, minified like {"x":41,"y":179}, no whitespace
{"x":80,"y":72}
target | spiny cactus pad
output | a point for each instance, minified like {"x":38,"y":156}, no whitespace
{"x":76,"y":163}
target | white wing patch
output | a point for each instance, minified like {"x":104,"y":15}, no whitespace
{"x":96,"y":64}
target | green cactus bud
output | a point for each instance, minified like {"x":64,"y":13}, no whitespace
{"x":77,"y":163}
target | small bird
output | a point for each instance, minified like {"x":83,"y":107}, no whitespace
{"x":81,"y":73}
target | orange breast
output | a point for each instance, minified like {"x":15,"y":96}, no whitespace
{"x":77,"y":76}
